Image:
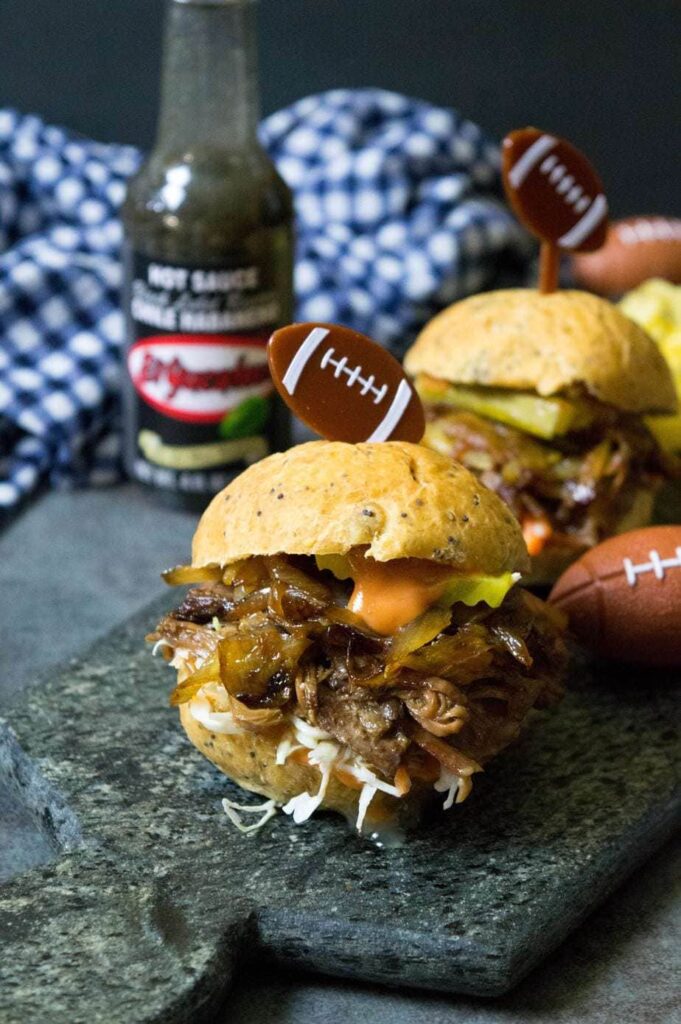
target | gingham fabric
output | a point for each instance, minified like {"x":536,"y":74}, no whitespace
{"x":398,"y":213}
{"x":399,"y":210}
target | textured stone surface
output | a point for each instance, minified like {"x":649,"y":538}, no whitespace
{"x":22,"y":844}
{"x":155,"y":896}
{"x":620,"y":966}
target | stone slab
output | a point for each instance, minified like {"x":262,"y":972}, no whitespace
{"x":155,"y":901}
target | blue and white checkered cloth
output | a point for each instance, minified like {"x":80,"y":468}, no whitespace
{"x":399,"y":213}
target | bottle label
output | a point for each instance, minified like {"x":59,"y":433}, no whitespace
{"x":190,"y":378}
{"x":200,"y":391}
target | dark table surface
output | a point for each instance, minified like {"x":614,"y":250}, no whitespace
{"x":73,"y":565}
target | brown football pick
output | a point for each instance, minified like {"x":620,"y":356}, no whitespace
{"x":555,"y":192}
{"x":343,"y":385}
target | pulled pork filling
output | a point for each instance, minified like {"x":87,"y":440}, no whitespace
{"x":437,"y":699}
{"x":574,"y":489}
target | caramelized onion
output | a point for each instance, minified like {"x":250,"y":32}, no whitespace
{"x":278,"y":693}
{"x":543,"y":610}
{"x":182,"y":574}
{"x":514,"y":644}
{"x":250,"y":657}
{"x":418,"y":633}
{"x":338,"y":613}
{"x":307,"y":680}
{"x":291,"y":604}
{"x":463,"y":656}
{"x":189,"y":687}
{"x":445,"y":686}
{"x":254,"y":602}
{"x":373,"y":682}
{"x":440,"y":727}
{"x":281,"y":570}
{"x":248,"y":575}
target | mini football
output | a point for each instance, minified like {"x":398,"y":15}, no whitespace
{"x":554,"y":190}
{"x":343,"y":385}
{"x":623,"y":597}
{"x":635,"y":249}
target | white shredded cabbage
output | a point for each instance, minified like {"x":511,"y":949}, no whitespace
{"x":267,"y":810}
{"x":215,"y":721}
{"x":158,"y":645}
{"x":325,"y":753}
{"x":447,"y":783}
{"x":285,"y":749}
{"x":308,"y":735}
{"x":303,"y":806}
{"x":184,"y":658}
{"x":365,"y":797}
{"x":364,"y":774}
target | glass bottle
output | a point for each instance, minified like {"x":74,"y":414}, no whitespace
{"x":208,"y":258}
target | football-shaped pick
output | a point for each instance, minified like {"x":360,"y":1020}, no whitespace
{"x":635,"y":249}
{"x":623,"y":597}
{"x":343,"y":385}
{"x":553,"y":190}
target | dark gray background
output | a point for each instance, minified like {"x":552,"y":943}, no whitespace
{"x":605,"y":73}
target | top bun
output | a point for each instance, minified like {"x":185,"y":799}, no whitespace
{"x":326,"y":497}
{"x":522,"y":339}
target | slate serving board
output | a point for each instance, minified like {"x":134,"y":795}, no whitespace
{"x":154,"y":900}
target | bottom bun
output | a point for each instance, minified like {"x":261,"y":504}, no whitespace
{"x":249,"y":759}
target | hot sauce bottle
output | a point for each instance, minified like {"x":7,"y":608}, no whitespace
{"x":208,"y":255}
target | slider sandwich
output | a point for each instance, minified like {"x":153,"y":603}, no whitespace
{"x":542,"y":396}
{"x":355,"y":637}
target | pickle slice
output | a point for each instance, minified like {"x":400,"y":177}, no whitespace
{"x":542,"y":417}
{"x":471,"y":590}
{"x":336,"y":564}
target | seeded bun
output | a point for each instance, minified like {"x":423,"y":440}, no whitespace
{"x":401,"y":500}
{"x":250,"y":760}
{"x":522,"y":339}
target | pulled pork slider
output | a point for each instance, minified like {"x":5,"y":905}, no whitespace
{"x":357,"y":639}
{"x":542,"y":397}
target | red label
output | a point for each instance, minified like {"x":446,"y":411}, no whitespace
{"x":198,"y":378}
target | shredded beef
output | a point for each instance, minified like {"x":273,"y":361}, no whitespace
{"x":182,"y":635}
{"x":203,"y":604}
{"x":370,"y":727}
{"x":307,"y":683}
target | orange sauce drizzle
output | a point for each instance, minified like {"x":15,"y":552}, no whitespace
{"x":388,"y":595}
